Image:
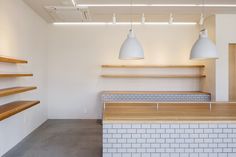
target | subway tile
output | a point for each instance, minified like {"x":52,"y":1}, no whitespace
{"x":126,"y":155}
{"x":117,"y":126}
{"x":136,"y":155}
{"x":146,"y":155}
{"x":141,"y":150}
{"x":151,"y":150}
{"x":121,"y":150}
{"x":122,"y":140}
{"x":165,"y":126}
{"x":136,"y":136}
{"x":155,"y":126}
{"x":141,"y":131}
{"x":141,"y":140}
{"x":203,"y":154}
{"x":136,"y":126}
{"x":160,"y":150}
{"x":174,"y":126}
{"x":204,"y":126}
{"x":151,"y":140}
{"x":107,"y":154}
{"x":136,"y":145}
{"x":131,"y":131}
{"x":126,"y":126}
{"x":121,"y":131}
{"x":131,"y":150}
{"x":146,"y":126}
{"x":116,"y":135}
{"x":116,"y":155}
{"x":131,"y":141}
{"x":155,"y":155}
{"x":151,"y":131}
{"x":107,"y":126}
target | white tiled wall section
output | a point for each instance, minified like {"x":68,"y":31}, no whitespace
{"x":169,"y":140}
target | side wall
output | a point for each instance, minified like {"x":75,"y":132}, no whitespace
{"x":225,"y":34}
{"x":23,"y":34}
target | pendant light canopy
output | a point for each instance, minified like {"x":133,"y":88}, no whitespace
{"x":131,"y":48}
{"x":203,"y":48}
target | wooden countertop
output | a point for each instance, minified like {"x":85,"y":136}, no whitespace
{"x":172,"y":112}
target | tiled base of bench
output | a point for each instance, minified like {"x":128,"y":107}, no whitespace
{"x":169,"y":139}
{"x":110,"y":97}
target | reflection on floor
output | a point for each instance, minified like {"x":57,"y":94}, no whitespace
{"x":62,"y":138}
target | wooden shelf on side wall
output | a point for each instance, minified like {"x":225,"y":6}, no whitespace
{"x":153,"y":66}
{"x":13,"y":108}
{"x":12,"y":60}
{"x":152,"y":76}
{"x":15,"y":75}
{"x":15,"y":90}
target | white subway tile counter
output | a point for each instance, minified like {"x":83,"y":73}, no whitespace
{"x":168,"y":138}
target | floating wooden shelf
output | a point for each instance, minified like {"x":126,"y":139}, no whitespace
{"x":153,"y":66}
{"x":12,"y":60}
{"x":13,"y":108}
{"x":15,"y":90}
{"x":14,"y":75}
{"x":153,"y":76}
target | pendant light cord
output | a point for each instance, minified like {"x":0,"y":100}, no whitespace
{"x":204,"y":13}
{"x":131,"y":13}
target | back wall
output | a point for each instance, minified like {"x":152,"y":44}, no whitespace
{"x":76,"y":54}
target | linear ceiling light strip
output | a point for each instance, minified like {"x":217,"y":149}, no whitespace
{"x":123,"y":23}
{"x":156,"y":5}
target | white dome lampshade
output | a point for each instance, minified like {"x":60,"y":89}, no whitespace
{"x":131,"y":48}
{"x":203,"y":48}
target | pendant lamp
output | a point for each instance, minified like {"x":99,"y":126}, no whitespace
{"x":131,"y":48}
{"x":203,"y":48}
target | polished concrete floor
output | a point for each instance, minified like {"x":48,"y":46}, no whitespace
{"x":62,"y":138}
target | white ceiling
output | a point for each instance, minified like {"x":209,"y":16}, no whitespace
{"x":51,"y":10}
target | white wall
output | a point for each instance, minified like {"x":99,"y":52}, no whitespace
{"x":77,"y":52}
{"x":23,"y":34}
{"x":225,"y":34}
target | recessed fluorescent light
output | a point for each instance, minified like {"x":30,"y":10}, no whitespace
{"x":156,"y":5}
{"x":123,"y":23}
{"x":73,"y":2}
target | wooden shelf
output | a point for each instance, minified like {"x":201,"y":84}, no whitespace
{"x":15,"y":90}
{"x":13,"y":108}
{"x":12,"y":60}
{"x":152,"y":76}
{"x":14,"y":75}
{"x":153,"y":66}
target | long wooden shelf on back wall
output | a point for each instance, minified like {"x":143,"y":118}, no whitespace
{"x":153,"y":66}
{"x":152,"y":76}
{"x":15,"y":75}
{"x":15,"y":90}
{"x":12,"y":60}
{"x":13,"y":108}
